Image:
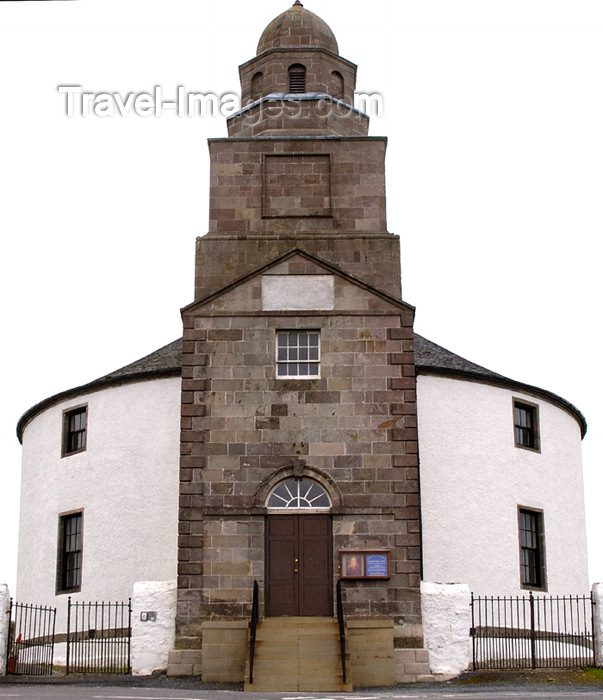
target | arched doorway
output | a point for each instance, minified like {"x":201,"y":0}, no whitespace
{"x":299,"y":550}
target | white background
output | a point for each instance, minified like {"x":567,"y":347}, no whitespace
{"x":493,"y":110}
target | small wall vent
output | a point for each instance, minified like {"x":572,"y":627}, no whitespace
{"x":297,"y":79}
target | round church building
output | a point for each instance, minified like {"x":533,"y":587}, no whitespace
{"x":300,"y":453}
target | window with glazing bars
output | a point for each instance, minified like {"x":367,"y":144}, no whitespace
{"x":70,"y":552}
{"x":526,"y":425}
{"x":74,"y":430}
{"x":297,"y":354}
{"x":531,"y":549}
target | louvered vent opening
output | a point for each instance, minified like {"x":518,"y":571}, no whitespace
{"x":297,"y":79}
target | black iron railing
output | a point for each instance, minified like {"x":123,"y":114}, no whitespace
{"x":98,"y":637}
{"x":31,"y":634}
{"x":532,"y":632}
{"x":341,"y":623}
{"x":255,"y":614}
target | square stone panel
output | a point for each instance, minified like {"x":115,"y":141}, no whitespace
{"x":298,"y":292}
{"x":297,"y":186}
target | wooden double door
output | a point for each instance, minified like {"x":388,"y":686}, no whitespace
{"x":299,"y":565}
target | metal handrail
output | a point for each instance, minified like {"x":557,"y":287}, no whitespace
{"x":255,"y":614}
{"x":341,"y":623}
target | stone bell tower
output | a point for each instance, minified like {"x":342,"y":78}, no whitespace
{"x":299,"y":462}
{"x":298,"y":169}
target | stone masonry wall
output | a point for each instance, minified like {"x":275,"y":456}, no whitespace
{"x":374,"y":259}
{"x":297,"y":116}
{"x":354,"y":427}
{"x":319,"y":64}
{"x":357,"y":177}
{"x":246,"y":232}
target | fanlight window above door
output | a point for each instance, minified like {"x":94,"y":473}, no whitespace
{"x":298,"y":494}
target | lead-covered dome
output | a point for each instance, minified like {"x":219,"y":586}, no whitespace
{"x":297,"y":27}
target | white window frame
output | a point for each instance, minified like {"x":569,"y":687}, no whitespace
{"x":297,"y":350}
{"x":304,"y":491}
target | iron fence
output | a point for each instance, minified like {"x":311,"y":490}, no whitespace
{"x":30,"y":639}
{"x":532,"y":632}
{"x":98,"y":637}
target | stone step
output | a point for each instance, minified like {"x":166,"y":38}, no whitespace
{"x":184,"y":662}
{"x":297,"y":653}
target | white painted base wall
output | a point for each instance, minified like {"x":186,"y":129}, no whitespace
{"x":598,"y":622}
{"x":152,"y":639}
{"x":4,"y":608}
{"x":446,"y":612}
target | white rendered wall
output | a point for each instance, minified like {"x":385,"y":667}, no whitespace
{"x":126,"y":483}
{"x":446,"y":614}
{"x":473,"y":479}
{"x":153,"y":626}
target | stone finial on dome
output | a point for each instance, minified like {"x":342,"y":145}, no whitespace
{"x":297,"y":27}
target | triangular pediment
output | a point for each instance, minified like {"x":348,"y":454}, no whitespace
{"x":297,"y":283}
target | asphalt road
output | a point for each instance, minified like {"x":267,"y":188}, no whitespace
{"x":90,"y":692}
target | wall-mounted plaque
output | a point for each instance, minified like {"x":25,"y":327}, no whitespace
{"x":377,"y":565}
{"x":364,"y":564}
{"x":352,"y":565}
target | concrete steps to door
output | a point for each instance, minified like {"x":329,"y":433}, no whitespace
{"x":297,"y":653}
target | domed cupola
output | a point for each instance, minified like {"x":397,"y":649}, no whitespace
{"x":297,"y":83}
{"x":297,"y":27}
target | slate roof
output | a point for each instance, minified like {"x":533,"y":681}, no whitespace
{"x":428,"y":355}
{"x":430,"y":358}
{"x":166,"y":359}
